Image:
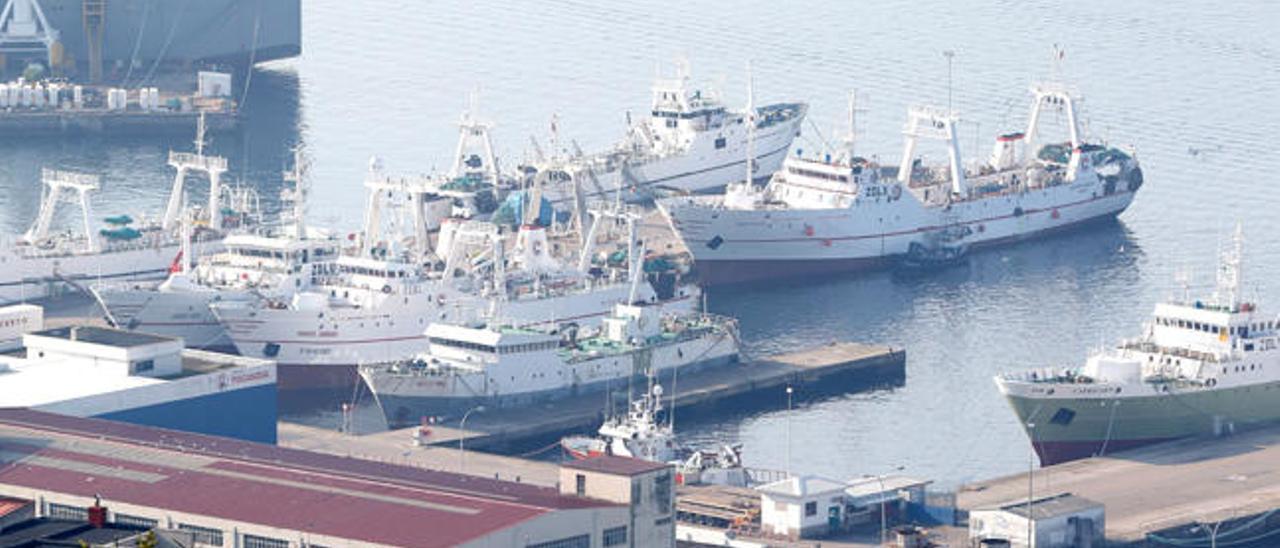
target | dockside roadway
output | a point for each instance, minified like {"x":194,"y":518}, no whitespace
{"x":1154,"y":495}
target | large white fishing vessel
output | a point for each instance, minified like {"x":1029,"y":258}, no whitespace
{"x":846,"y":212}
{"x":689,"y":142}
{"x":251,"y":266}
{"x":1200,"y":367}
{"x":377,"y":306}
{"x":494,"y":365}
{"x":43,"y":261}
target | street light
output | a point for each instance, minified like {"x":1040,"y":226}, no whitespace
{"x":883,"y":501}
{"x":789,"y":390}
{"x":462,"y":435}
{"x":1031,"y":472}
{"x":1212,"y":529}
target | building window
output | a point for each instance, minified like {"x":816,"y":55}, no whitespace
{"x":203,"y":535}
{"x":720,"y":142}
{"x":615,"y":536}
{"x":136,"y":521}
{"x":68,"y":512}
{"x":143,"y":366}
{"x":662,"y":492}
{"x":580,"y":541}
{"x":253,"y":541}
{"x":580,"y":485}
{"x":811,"y":508}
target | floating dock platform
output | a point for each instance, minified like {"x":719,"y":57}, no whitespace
{"x":826,"y":370}
{"x":1155,"y":495}
{"x":38,"y":123}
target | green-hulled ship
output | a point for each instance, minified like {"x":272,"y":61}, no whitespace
{"x":1200,"y":368}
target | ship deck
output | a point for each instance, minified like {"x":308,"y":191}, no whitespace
{"x":1160,"y":489}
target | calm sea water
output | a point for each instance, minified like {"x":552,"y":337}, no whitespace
{"x":1193,"y":86}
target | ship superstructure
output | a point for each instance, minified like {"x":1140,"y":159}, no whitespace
{"x":844,"y":212}
{"x":273,"y":264}
{"x":689,"y":142}
{"x":378,"y":304}
{"x":1200,"y":367}
{"x":498,"y":365}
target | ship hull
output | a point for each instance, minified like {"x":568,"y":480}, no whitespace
{"x":318,"y":362}
{"x":26,"y":278}
{"x":734,"y":246}
{"x":238,"y":32}
{"x":402,"y":406}
{"x":1068,"y":428}
{"x":184,"y":314}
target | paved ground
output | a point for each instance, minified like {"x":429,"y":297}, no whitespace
{"x":1161,"y":486}
{"x":396,"y":446}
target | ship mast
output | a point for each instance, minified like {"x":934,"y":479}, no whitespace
{"x":851,"y":137}
{"x":298,"y":193}
{"x":751,"y":127}
{"x":1229,"y":271}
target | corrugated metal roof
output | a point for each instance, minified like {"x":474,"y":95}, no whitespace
{"x":802,"y":486}
{"x":613,"y":464}
{"x":246,"y":482}
{"x":1063,"y":504}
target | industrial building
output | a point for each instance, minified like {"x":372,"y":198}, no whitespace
{"x":802,"y":506}
{"x":1059,"y":521}
{"x":235,"y":493}
{"x":89,"y":371}
{"x":647,"y":487}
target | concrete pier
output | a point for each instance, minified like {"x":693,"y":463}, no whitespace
{"x":1162,"y":489}
{"x":833,"y":368}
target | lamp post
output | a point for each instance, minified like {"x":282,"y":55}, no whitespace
{"x":1031,"y":470}
{"x":1213,"y":529}
{"x":462,"y":435}
{"x":789,"y":390}
{"x":883,"y":502}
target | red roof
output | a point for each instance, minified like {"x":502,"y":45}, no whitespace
{"x":612,"y":464}
{"x":263,"y":484}
{"x":10,"y":505}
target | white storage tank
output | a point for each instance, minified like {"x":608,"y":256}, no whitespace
{"x":4,"y":95}
{"x":77,"y":97}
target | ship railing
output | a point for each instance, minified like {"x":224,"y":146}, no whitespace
{"x":1047,"y":375}
{"x":1177,"y":352}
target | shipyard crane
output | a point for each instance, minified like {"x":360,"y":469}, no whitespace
{"x":24,"y":29}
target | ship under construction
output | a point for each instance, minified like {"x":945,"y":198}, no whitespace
{"x":111,"y":40}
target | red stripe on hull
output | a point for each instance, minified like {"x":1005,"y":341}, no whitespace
{"x":1056,"y":452}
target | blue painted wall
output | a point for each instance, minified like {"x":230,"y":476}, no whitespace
{"x":248,"y":414}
